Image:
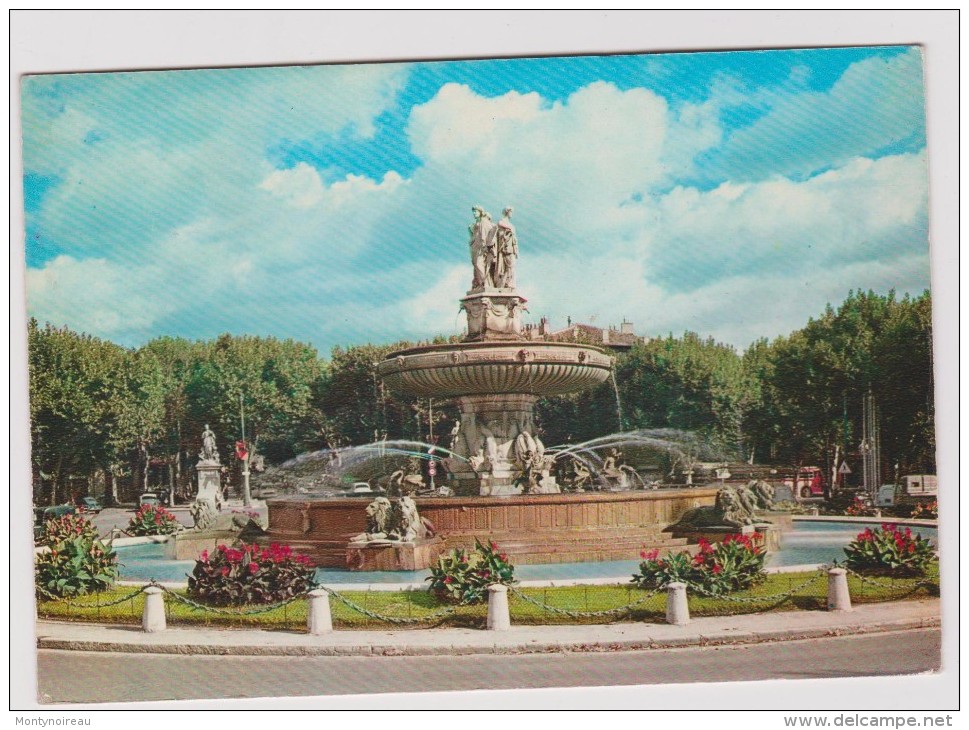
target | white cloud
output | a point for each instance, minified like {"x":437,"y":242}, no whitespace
{"x":201,"y":233}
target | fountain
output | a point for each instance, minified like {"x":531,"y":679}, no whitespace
{"x":500,"y":472}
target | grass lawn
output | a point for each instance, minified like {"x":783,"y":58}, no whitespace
{"x":774,"y":594}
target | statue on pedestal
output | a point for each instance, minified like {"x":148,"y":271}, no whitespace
{"x":506,"y":255}
{"x":209,"y":451}
{"x":482,"y":247}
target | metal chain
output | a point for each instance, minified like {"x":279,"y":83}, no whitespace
{"x":231,"y":612}
{"x":390,"y":619}
{"x":877,"y":584}
{"x":579,"y":614}
{"x":755,"y":599}
{"x":81,"y":604}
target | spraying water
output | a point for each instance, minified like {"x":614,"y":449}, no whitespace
{"x":615,"y":387}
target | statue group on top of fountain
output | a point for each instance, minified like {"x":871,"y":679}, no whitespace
{"x":494,"y":250}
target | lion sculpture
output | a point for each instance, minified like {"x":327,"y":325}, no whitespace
{"x":758,"y":494}
{"x":378,"y":521}
{"x":729,"y":510}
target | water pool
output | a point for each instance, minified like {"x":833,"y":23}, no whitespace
{"x":807,"y":543}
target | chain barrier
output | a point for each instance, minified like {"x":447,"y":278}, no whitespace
{"x":756,"y":599}
{"x":390,"y":619}
{"x":227,"y":611}
{"x":580,"y":614}
{"x":82,"y":604}
{"x":891,"y":586}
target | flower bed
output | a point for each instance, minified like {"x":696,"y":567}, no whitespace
{"x":889,"y":550}
{"x":250,"y":574}
{"x":736,"y":563}
{"x":153,"y":520}
{"x":464,"y":576}
{"x":75,"y":562}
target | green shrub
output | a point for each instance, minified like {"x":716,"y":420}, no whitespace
{"x":153,"y":520}
{"x":464,"y":576}
{"x":890,"y":551}
{"x":250,"y":574}
{"x":75,"y":562}
{"x":66,"y":527}
{"x":735,"y":564}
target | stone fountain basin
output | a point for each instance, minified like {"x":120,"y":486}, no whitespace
{"x":474,"y":368}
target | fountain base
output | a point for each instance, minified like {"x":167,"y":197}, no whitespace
{"x":531,"y":528}
{"x":386,"y":555}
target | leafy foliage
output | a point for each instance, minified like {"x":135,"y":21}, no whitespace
{"x":101,"y":411}
{"x":889,"y":550}
{"x":735,"y":564}
{"x":250,"y":574}
{"x":464,"y":576}
{"x":75,"y":562}
{"x":153,"y":520}
{"x":65,"y":528}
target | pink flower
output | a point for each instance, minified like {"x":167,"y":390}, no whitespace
{"x":204,"y":557}
{"x":253,"y":568}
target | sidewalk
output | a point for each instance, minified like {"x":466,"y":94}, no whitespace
{"x":752,"y":628}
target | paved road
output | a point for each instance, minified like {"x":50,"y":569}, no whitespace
{"x":68,"y":676}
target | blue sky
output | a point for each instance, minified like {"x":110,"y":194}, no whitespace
{"x":732,"y":194}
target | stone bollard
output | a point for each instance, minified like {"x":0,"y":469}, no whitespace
{"x":677,"y":609}
{"x":319,"y":620}
{"x":153,"y":617}
{"x":498,"y":617}
{"x":838,"y":597}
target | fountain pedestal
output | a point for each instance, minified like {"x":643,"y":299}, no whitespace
{"x":418,"y":554}
{"x":496,"y":375}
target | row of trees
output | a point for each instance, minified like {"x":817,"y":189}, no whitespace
{"x":131,"y":418}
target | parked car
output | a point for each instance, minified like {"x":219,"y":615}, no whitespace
{"x":360,"y":489}
{"x":89,"y":504}
{"x":149,"y":499}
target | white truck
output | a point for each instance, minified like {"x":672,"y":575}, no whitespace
{"x":911,"y":489}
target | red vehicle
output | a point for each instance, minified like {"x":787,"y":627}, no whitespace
{"x":809,"y":482}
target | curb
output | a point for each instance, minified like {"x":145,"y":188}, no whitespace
{"x":486,"y":647}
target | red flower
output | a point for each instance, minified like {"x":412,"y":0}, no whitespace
{"x":253,"y":568}
{"x":717,"y":569}
{"x":204,"y":557}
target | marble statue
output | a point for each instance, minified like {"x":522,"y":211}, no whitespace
{"x":506,"y":252}
{"x":209,"y":451}
{"x":482,"y":247}
{"x":406,"y":480}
